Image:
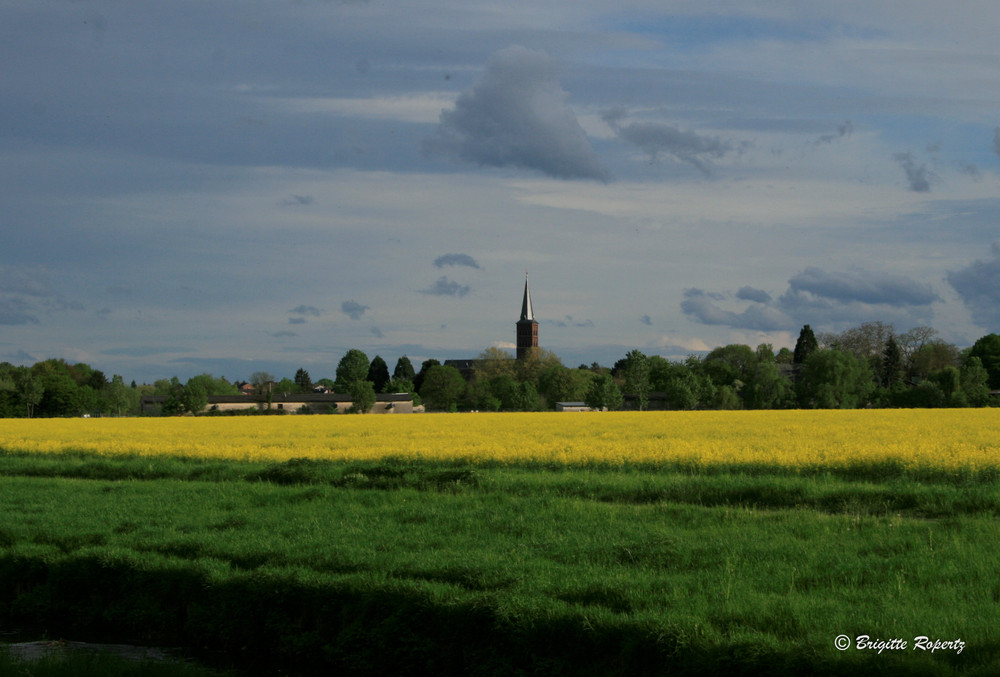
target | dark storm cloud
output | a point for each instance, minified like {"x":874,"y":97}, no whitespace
{"x":918,"y":176}
{"x":455,"y":260}
{"x":353,"y":309}
{"x":646,"y":320}
{"x":747,"y":293}
{"x":445,"y":287}
{"x":517,"y":116}
{"x":819,"y":297}
{"x":863,"y":286}
{"x":979,"y":286}
{"x":656,"y":139}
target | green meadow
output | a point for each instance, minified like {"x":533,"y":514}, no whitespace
{"x":401,"y":567}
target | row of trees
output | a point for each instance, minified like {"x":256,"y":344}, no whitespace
{"x":869,"y":365}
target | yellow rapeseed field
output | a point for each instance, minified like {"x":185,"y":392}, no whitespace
{"x":938,"y":439}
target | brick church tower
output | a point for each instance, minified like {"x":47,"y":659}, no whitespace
{"x":527,"y":328}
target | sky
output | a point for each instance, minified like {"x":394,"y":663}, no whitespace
{"x":261,"y":185}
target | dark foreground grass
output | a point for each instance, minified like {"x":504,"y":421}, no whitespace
{"x":311,"y":566}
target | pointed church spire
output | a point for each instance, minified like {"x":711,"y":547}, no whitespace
{"x":527,"y":326}
{"x":526,"y":312}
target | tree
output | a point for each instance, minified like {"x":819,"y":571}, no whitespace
{"x":557,"y":383}
{"x":494,"y":362}
{"x":987,"y":349}
{"x":442,"y":387}
{"x":933,"y":356}
{"x":263,"y":383}
{"x":362,"y":397}
{"x":303,"y":381}
{"x":975,"y":382}
{"x":117,"y":395}
{"x":805,"y":346}
{"x":378,"y":373}
{"x":891,"y":372}
{"x":194,"y":397}
{"x":636,"y":372}
{"x":604,"y":394}
{"x":734,"y":362}
{"x":30,"y":388}
{"x":767,"y":387}
{"x":418,"y":380}
{"x":404,"y":370}
{"x":834,"y":379}
{"x":353,"y":366}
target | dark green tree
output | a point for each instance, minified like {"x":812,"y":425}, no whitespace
{"x":442,"y":388}
{"x":303,"y":381}
{"x":604,"y":394}
{"x":194,"y":397}
{"x":805,"y":346}
{"x":891,"y":372}
{"x":362,"y":397}
{"x":834,"y":379}
{"x":987,"y":349}
{"x":636,"y":373}
{"x":404,"y":369}
{"x":116,"y":395}
{"x":975,"y":382}
{"x":418,"y":380}
{"x":767,"y":387}
{"x":30,"y":388}
{"x":353,"y":366}
{"x":378,"y":373}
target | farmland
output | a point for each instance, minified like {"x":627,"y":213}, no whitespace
{"x":556,"y":543}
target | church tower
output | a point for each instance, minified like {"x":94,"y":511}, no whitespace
{"x":527,"y":328}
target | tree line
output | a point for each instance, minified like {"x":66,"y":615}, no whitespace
{"x":869,"y":365}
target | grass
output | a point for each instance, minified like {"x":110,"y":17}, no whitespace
{"x":467,"y":568}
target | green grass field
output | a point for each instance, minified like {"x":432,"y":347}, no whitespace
{"x":403,"y":567}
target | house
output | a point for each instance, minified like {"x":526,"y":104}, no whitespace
{"x":293,"y":403}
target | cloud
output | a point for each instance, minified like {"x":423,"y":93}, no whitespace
{"x":445,"y":287}
{"x":996,"y":141}
{"x":656,"y":138}
{"x":645,"y":319}
{"x":864,"y":287}
{"x":455,"y":260}
{"x":297,"y":201}
{"x":918,"y":176}
{"x":570,"y":322}
{"x":978,"y":284}
{"x":15,"y":311}
{"x":297,"y":320}
{"x":305,"y":310}
{"x":144,"y":351}
{"x":846,"y":128}
{"x":751,"y":294}
{"x":376,"y":332}
{"x":353,"y":309}
{"x":815,"y":296}
{"x":283,"y":334}
{"x":701,"y":306}
{"x":517,"y":116}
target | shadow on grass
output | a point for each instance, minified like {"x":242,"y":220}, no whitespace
{"x":274,"y":620}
